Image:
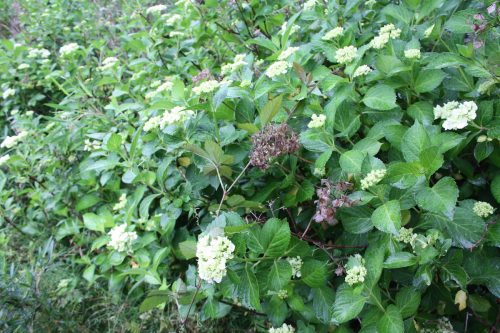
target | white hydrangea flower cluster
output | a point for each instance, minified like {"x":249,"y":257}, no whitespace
{"x":412,"y":53}
{"x":91,"y":145}
{"x":310,"y":4}
{"x":176,"y":114}
{"x":176,"y":34}
{"x":213,"y":252}
{"x":206,"y":87}
{"x":11,"y":141}
{"x":296,"y":263}
{"x":122,"y":202}
{"x":282,"y":294}
{"x":346,"y":54}
{"x":483,"y":209}
{"x":68,"y":49}
{"x":160,"y":88}
{"x":443,"y":326}
{"x":155,"y":9}
{"x":362,"y":70}
{"x":287,"y":53}
{"x":38,"y":53}
{"x":356,"y":271}
{"x":293,"y":30}
{"x":4,"y":159}
{"x":285,"y":328}
{"x":372,"y":178}
{"x":239,"y":62}
{"x":456,"y":115}
{"x":428,"y":31}
{"x":317,"y":121}
{"x":121,"y":240}
{"x":108,"y":63}
{"x":23,"y":66}
{"x":173,"y":19}
{"x":8,"y":92}
{"x":277,"y":68}
{"x":387,"y":32}
{"x":334,"y":33}
{"x":407,"y":236}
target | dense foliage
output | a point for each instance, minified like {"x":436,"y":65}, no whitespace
{"x":308,"y":166}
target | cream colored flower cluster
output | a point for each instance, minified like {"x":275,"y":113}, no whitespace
{"x":334,"y":33}
{"x":176,"y":114}
{"x":296,"y":263}
{"x":8,"y":92}
{"x":277,"y":68}
{"x":407,"y":236}
{"x":483,"y":209}
{"x":38,"y":53}
{"x":317,"y":121}
{"x":310,"y":4}
{"x":287,"y":53}
{"x":121,"y":240}
{"x":285,"y":328}
{"x":173,"y":19}
{"x":68,"y":49}
{"x":456,"y":115}
{"x":373,"y":178}
{"x":362,"y":70}
{"x":213,"y":252}
{"x":412,"y":53}
{"x":91,"y":145}
{"x":356,"y":271}
{"x":108,"y":63}
{"x":156,"y":9}
{"x":346,"y":54}
{"x":387,"y":32}
{"x":122,"y":202}
{"x":239,"y":62}
{"x":11,"y":141}
{"x":4,"y":159}
{"x":160,"y":88}
{"x":206,"y":87}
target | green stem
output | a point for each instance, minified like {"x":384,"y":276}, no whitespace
{"x":216,"y":124}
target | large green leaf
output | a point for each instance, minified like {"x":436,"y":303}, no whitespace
{"x":428,"y":80}
{"x":400,"y":259}
{"x":391,"y":321}
{"x":380,"y":97}
{"x":414,"y":142}
{"x":408,"y":301}
{"x":441,"y":198}
{"x":270,"y":110}
{"x":248,"y":288}
{"x":387,"y":218}
{"x":314,"y":273}
{"x":348,"y":304}
{"x":322,"y":303}
{"x":279,"y":274}
{"x":275,"y":237}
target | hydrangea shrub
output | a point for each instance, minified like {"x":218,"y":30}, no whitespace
{"x":320,"y":166}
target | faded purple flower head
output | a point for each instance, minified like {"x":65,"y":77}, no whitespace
{"x":201,"y":76}
{"x":330,"y":197}
{"x":491,"y":9}
{"x":272,"y":141}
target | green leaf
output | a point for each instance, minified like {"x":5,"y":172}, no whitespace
{"x":94,"y":222}
{"x":348,"y":304}
{"x":356,"y":220}
{"x":154,"y":299}
{"x":441,"y":198}
{"x":351,"y":161}
{"x":429,"y":80}
{"x":275,"y":237}
{"x":495,"y":188}
{"x":414,"y":142}
{"x":404,"y":175}
{"x":114,"y":142}
{"x":322,"y":303}
{"x":408,"y":301}
{"x":391,"y":321}
{"x":248,"y":288}
{"x":466,"y":228}
{"x":87,"y":201}
{"x":400,"y":259}
{"x":314,"y":273}
{"x":482,"y":150}
{"x":270,"y":110}
{"x":380,"y":97}
{"x":431,"y":159}
{"x":279,"y":274}
{"x":387,"y":218}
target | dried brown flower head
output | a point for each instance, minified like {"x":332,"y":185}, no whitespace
{"x":272,"y":141}
{"x":330,"y":197}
